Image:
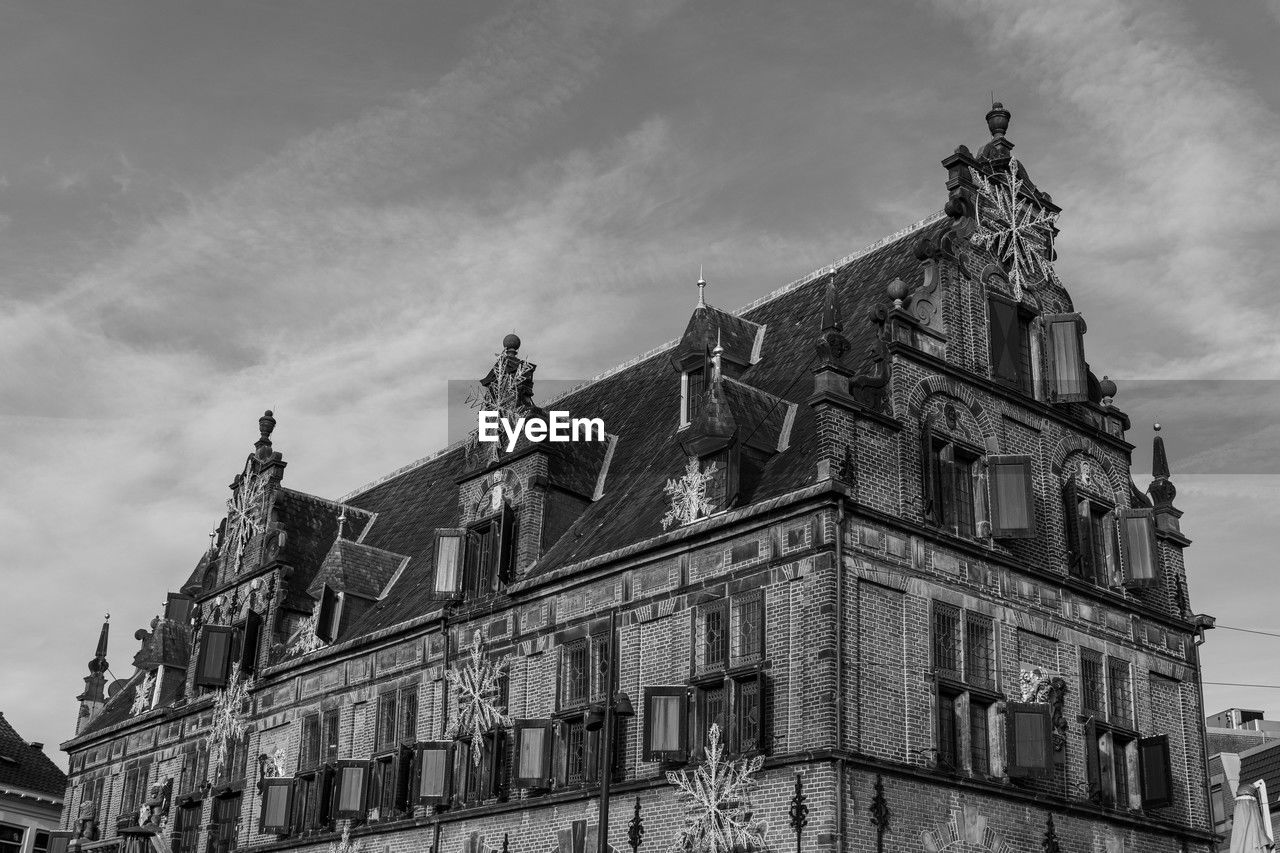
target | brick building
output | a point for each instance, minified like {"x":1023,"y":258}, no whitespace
{"x":877,"y":529}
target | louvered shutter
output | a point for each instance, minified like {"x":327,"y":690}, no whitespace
{"x":277,"y":804}
{"x":666,"y":727}
{"x":214,"y":663}
{"x":435,"y":765}
{"x":1092,"y":761}
{"x":1155,"y":770}
{"x":1077,"y":546}
{"x":1005,"y":340}
{"x":1029,"y":740}
{"x":1012,"y":496}
{"x":1139,"y":561}
{"x":533,"y":753}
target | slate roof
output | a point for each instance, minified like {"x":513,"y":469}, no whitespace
{"x":118,"y":708}
{"x":1262,"y":762}
{"x":356,"y":569}
{"x":23,"y":766}
{"x":639,"y":403}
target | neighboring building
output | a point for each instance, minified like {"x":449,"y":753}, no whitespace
{"x":31,"y":792}
{"x":1244,"y":750}
{"x":877,"y":530}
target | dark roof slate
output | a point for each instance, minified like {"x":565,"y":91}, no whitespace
{"x":311,"y":525}
{"x":168,"y":644}
{"x":356,"y":569}
{"x":24,"y":766}
{"x":1262,"y":763}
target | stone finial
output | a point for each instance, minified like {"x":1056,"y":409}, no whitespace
{"x":832,"y":344}
{"x":342,"y":520}
{"x":511,"y":344}
{"x":266,"y":425}
{"x":1162,"y":490}
{"x":997,"y":119}
{"x":702,"y":286}
{"x":716,"y":355}
{"x":1107,"y":389}
{"x":898,"y":292}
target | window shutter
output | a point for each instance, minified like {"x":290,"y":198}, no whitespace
{"x":277,"y":805}
{"x":1076,"y":544}
{"x":560,"y":753}
{"x":214,"y":664}
{"x":450,"y":545}
{"x":178,"y":607}
{"x":751,"y":727}
{"x":404,"y":776}
{"x":1139,"y":561}
{"x":325,"y":778}
{"x":249,"y":640}
{"x":533,"y":754}
{"x":1013,"y":506}
{"x":326,"y":621}
{"x":1005,"y":339}
{"x":351,"y":789}
{"x":60,"y":840}
{"x":1068,"y":375}
{"x":494,"y":763}
{"x":1092,"y":761}
{"x":666,"y":729}
{"x":1157,"y":776}
{"x":1028,"y":731}
{"x":435,"y":762}
{"x":928,"y":476}
{"x":504,"y":550}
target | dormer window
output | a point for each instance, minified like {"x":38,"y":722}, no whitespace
{"x":693,"y":387}
{"x":330,"y":616}
{"x":476,"y":560}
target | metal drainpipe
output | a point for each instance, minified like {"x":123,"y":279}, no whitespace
{"x":840,"y":762}
{"x":1204,"y":736}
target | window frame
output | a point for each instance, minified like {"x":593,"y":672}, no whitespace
{"x":329,"y":613}
{"x":1074,"y":389}
{"x":459,"y":534}
{"x":265,"y":787}
{"x":363,"y":767}
{"x":1028,"y":758}
{"x":203,"y":676}
{"x":541,"y":780}
{"x":1018,"y":323}
{"x":679,"y":753}
{"x":943,"y":503}
{"x":998,"y":499}
{"x":446,"y":782}
{"x":1128,"y":549}
{"x":1154,"y":760}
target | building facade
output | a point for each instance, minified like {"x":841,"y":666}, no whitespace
{"x":871,"y":541}
{"x":31,"y":791}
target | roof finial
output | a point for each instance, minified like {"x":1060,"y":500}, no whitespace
{"x":213,"y":535}
{"x":342,"y":520}
{"x":702,"y":285}
{"x":715,"y":356}
{"x":266,"y":424}
{"x":997,"y":118}
{"x":1162,"y":490}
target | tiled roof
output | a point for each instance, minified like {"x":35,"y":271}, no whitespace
{"x":639,"y":403}
{"x":1262,"y":762}
{"x":311,"y":524}
{"x":24,"y":766}
{"x":118,"y":708}
{"x":356,"y":569}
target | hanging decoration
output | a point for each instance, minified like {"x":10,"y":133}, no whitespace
{"x":688,"y":495}
{"x":304,"y":640}
{"x":1014,"y":228}
{"x":477,"y":679}
{"x":142,"y":698}
{"x":716,"y":801}
{"x":505,"y":390}
{"x":230,"y":718}
{"x":246,"y":514}
{"x":346,"y":845}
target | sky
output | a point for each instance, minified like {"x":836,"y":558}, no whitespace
{"x":331,"y":209}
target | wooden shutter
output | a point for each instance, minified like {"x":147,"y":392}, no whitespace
{"x":1077,"y":545}
{"x":1155,"y":772}
{"x":404,"y":778}
{"x":449,"y":549}
{"x":177,"y":607}
{"x":1012,"y":496}
{"x":214,"y":664}
{"x":327,"y":622}
{"x":494,"y":763}
{"x":59,"y":840}
{"x":277,"y":805}
{"x":1139,"y":560}
{"x":1092,"y":761}
{"x":250,"y":637}
{"x":928,"y":480}
{"x":668,"y":739}
{"x":504,"y":552}
{"x":1006,"y":339}
{"x":1029,"y":740}
{"x":533,"y":753}
{"x":351,"y":789}
{"x":326,"y":782}
{"x":1068,"y":375}
{"x":435,"y":772}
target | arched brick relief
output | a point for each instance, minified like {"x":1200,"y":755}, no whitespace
{"x":967,"y":403}
{"x":1066,"y":459}
{"x":968,"y":831}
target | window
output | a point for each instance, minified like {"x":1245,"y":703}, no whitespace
{"x":389,"y":786}
{"x":134,"y":792}
{"x":177,"y":607}
{"x":91,"y":792}
{"x":186,"y":829}
{"x":695,"y":389}
{"x":235,"y":762}
{"x":1112,"y":759}
{"x":476,"y":560}
{"x":41,"y":842}
{"x":749,"y":627}
{"x":277,"y":806}
{"x":435,"y":762}
{"x":964,"y":655}
{"x":1091,"y":684}
{"x":224,"y":823}
{"x":313,"y":785}
{"x":448,"y":560}
{"x":533,"y":753}
{"x":250,"y":635}
{"x":1138,"y":558}
{"x":11,"y":838}
{"x":950,"y":471}
{"x":601,"y":667}
{"x":352,"y":783}
{"x":1010,"y":328}
{"x":1068,"y":374}
{"x":715,"y":635}
{"x":574,"y":674}
{"x":1028,"y":729}
{"x":330,"y":615}
{"x":475,"y":782}
{"x":1219,"y":807}
{"x":397,"y":726}
{"x":1013,"y":503}
{"x":722,"y":487}
{"x":213,"y":666}
{"x":666,"y":736}
{"x":1120,"y":697}
{"x":1091,"y":536}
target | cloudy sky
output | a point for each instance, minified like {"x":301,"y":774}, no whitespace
{"x":329,"y":209}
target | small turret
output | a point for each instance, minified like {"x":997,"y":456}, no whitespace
{"x":1162,"y":490}
{"x":94,"y":697}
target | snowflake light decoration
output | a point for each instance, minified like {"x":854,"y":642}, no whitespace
{"x":246,"y":514}
{"x":502,"y":395}
{"x":477,"y":682}
{"x":714,"y":796}
{"x":1014,"y":228}
{"x":229,"y":718}
{"x":304,"y":640}
{"x":346,"y":845}
{"x":142,"y":698}
{"x":688,"y":495}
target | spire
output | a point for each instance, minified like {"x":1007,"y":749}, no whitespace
{"x":100,"y":654}
{"x":1162,"y":490}
{"x":702,"y":286}
{"x":342,"y":520}
{"x":832,"y":344}
{"x":715,"y":358}
{"x":94,"y":697}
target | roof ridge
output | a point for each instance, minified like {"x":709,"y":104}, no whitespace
{"x":661,"y":348}
{"x":339,"y":503}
